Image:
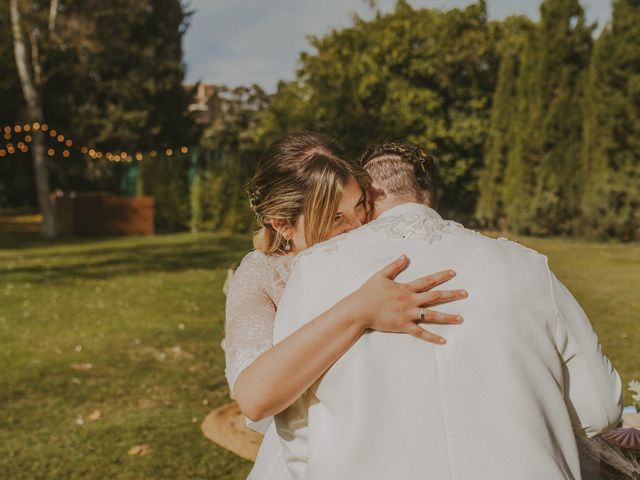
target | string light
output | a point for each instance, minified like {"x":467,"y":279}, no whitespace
{"x":67,"y":143}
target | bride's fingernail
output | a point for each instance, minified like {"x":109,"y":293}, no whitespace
{"x":463,"y":293}
{"x":460,"y":319}
{"x":452,"y":273}
{"x":442,"y":341}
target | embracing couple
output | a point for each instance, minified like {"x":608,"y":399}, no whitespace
{"x":331,"y":330}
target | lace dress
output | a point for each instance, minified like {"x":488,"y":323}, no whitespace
{"x":252,"y":299}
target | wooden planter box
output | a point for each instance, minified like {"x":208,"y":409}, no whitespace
{"x":101,"y":214}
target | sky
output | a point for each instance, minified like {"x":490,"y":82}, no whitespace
{"x":240,"y":42}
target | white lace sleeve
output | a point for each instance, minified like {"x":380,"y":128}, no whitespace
{"x":250,"y":313}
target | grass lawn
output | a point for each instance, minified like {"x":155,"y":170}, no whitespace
{"x":112,"y":343}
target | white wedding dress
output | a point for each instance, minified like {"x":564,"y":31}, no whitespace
{"x":253,"y":295}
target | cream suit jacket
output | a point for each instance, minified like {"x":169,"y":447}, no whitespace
{"x":501,"y":400}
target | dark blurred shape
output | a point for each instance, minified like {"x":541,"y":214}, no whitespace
{"x":102,"y":214}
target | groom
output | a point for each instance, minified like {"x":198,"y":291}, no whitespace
{"x":501,"y":400}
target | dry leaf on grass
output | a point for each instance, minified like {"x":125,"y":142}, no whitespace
{"x":82,"y":366}
{"x":96,"y":415}
{"x":140,"y":449}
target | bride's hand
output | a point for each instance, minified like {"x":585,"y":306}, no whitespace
{"x":386,"y":305}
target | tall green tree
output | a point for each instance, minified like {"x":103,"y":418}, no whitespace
{"x":611,"y":202}
{"x":511,"y":39}
{"x":110,"y":76}
{"x":422,"y":75}
{"x":543,"y":189}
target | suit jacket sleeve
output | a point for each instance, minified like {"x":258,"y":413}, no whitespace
{"x":592,"y":387}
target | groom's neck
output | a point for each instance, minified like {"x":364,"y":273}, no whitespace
{"x":392,"y":201}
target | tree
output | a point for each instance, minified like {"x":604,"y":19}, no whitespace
{"x":421,"y":75}
{"x":543,"y":187}
{"x":110,"y":76}
{"x":512,"y":37}
{"x":611,"y":153}
{"x":30,"y":73}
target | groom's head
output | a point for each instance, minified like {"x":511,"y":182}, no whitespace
{"x":400,"y":173}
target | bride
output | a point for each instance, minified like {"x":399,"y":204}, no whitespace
{"x":304,"y":192}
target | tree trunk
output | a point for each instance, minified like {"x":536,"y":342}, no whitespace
{"x":34,"y":104}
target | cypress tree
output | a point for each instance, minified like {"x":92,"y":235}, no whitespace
{"x":544,"y":195}
{"x":514,"y":33}
{"x":519,"y":177}
{"x":611,"y":154}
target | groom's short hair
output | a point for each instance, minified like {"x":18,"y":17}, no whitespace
{"x":403,"y":169}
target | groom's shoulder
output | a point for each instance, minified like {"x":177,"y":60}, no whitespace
{"x":497,"y":250}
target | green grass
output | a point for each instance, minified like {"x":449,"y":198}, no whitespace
{"x":124,"y":304}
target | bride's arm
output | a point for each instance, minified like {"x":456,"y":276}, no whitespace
{"x":270,"y":381}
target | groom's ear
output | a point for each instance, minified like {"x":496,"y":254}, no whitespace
{"x":375,"y":194}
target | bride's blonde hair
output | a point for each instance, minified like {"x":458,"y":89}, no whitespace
{"x":302,"y":173}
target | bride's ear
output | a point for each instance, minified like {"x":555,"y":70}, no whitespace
{"x":283,"y":227}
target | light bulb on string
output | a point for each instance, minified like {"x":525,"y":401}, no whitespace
{"x":26,"y":127}
{"x":36,"y":126}
{"x":17,"y":129}
{"x":66,"y":153}
{"x":27,"y":138}
{"x":45,"y":127}
{"x":51,"y":152}
{"x":3,"y":153}
{"x":53,"y":133}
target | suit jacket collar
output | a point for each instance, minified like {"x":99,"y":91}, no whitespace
{"x":410,"y":208}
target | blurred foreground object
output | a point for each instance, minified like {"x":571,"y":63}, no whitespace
{"x":614,"y":455}
{"x":226,"y":427}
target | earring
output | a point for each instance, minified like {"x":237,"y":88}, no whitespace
{"x":287,"y":246}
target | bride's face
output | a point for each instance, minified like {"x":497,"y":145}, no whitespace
{"x":351,"y":214}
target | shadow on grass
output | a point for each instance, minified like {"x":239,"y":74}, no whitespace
{"x":101,"y":258}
